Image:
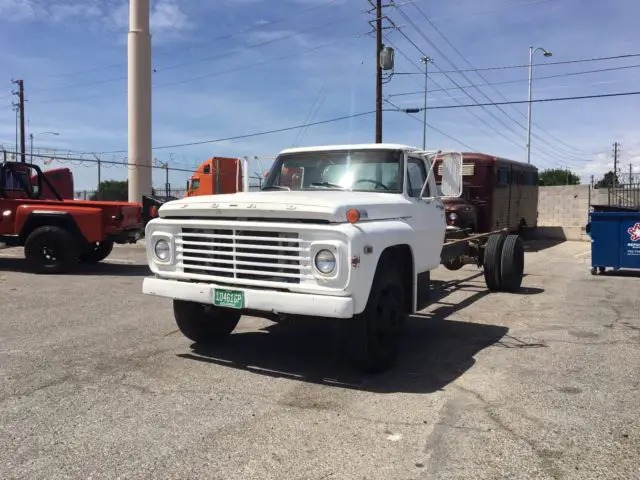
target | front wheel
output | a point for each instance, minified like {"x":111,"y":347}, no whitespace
{"x":96,"y":252}
{"x":203,"y":323}
{"x":373,"y":339}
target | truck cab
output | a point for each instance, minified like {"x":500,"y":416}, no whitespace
{"x":214,"y":176}
{"x":348,"y":239}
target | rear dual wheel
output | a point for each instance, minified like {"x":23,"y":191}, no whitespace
{"x":504,"y":263}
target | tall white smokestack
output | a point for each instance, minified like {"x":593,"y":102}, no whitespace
{"x":139,"y":86}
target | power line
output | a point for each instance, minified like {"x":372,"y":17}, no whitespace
{"x":437,"y":130}
{"x":257,"y":134}
{"x":515,"y":102}
{"x":505,"y":82}
{"x":200,"y":60}
{"x":480,"y":119}
{"x":495,"y":117}
{"x":542,"y":64}
{"x":214,"y":74}
{"x":459,"y":53}
{"x":215,"y":39}
{"x":346,"y":117}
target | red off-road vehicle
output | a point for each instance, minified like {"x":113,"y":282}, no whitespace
{"x":58,"y":232}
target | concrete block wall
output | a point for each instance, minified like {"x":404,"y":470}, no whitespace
{"x":563,"y":211}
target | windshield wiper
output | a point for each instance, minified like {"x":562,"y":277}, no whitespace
{"x":327,"y":184}
{"x":276,"y":187}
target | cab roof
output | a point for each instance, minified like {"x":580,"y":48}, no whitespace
{"x":359,"y":146}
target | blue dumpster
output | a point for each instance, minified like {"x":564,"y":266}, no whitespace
{"x":615,"y":240}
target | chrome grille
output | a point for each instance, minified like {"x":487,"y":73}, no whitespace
{"x":242,"y":254}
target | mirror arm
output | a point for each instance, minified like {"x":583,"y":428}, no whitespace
{"x":426,"y":182}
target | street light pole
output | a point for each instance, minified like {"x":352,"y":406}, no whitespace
{"x":546,"y":53}
{"x":31,"y":135}
{"x":426,"y":61}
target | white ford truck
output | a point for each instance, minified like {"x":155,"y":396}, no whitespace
{"x":336,"y":232}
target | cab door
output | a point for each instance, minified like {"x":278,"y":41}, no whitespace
{"x":428,"y":220}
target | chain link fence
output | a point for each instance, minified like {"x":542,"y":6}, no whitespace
{"x":98,"y":179}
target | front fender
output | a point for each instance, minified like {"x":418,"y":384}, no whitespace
{"x":85,"y":222}
{"x":370,"y":241}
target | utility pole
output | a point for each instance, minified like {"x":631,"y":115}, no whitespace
{"x":615,"y":164}
{"x":20,"y":94}
{"x":378,"y":71}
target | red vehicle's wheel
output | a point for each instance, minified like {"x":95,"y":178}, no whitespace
{"x":51,"y":249}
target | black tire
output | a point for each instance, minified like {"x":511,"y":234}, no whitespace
{"x":96,"y":252}
{"x":51,"y":249}
{"x":453,"y":264}
{"x":492,"y":262}
{"x":512,"y":264}
{"x":204,"y":323}
{"x":372,"y":340}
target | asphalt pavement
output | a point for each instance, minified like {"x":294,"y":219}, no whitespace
{"x":96,"y":382}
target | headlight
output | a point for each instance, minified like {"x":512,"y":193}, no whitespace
{"x":325,"y":262}
{"x":162,"y":250}
{"x":453,"y":216}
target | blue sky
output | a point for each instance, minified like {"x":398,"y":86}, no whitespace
{"x":229,"y":67}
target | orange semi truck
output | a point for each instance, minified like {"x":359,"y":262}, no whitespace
{"x":215,"y":176}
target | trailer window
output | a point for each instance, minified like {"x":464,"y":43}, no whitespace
{"x":503,"y":176}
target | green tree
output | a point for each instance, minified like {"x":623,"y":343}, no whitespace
{"x":557,"y":176}
{"x":609,"y":180}
{"x":114,"y":191}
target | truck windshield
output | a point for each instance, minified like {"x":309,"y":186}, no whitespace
{"x":360,"y":170}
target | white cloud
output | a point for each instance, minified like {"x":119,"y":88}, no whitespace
{"x":17,"y":10}
{"x":62,"y":12}
{"x":167,"y":20}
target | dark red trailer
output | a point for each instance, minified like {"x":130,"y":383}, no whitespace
{"x":497,"y":193}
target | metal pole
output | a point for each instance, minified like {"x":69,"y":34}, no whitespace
{"x":139,"y":102}
{"x":378,"y":72}
{"x":426,"y":61}
{"x":166,"y":179}
{"x":529,"y":106}
{"x":31,"y":147}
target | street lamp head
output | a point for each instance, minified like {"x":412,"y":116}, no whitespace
{"x":547,"y":53}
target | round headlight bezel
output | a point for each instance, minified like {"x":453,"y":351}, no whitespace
{"x":329,"y":260}
{"x":453,"y":216}
{"x":166,"y":249}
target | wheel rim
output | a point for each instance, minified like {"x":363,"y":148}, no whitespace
{"x":388,"y":319}
{"x":48,"y":253}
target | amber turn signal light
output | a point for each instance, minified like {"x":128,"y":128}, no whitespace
{"x":353,"y":215}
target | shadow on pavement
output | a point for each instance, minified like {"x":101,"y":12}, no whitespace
{"x":437,"y":350}
{"x":91,"y":269}
{"x":537,"y":245}
{"x":620,"y":273}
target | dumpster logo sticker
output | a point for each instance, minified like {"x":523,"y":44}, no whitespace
{"x":634,"y":232}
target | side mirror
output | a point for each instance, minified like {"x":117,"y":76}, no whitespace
{"x":451,"y":174}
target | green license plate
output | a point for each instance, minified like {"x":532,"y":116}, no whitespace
{"x":228,"y":298}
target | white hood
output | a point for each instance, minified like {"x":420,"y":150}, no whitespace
{"x":330,"y":205}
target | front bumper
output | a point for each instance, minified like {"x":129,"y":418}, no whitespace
{"x":267,"y":301}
